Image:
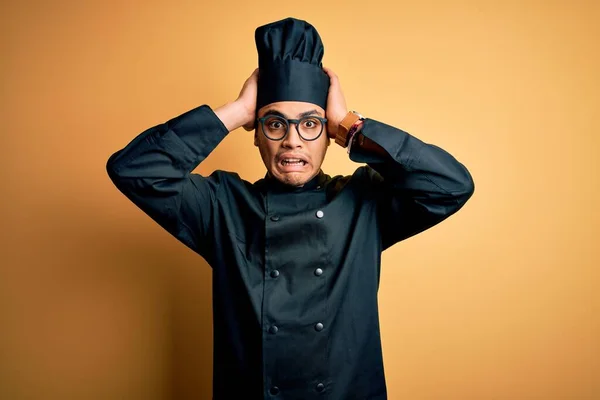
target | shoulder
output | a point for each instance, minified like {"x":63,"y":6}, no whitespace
{"x":223,"y":180}
{"x":362,"y":176}
{"x":363,"y":181}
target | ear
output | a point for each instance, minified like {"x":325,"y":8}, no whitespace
{"x":255,"y":139}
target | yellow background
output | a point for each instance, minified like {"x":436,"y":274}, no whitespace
{"x":498,"y":302}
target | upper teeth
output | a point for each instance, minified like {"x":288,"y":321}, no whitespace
{"x":290,"y":160}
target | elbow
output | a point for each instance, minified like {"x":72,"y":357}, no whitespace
{"x":465,"y":189}
{"x":112,"y":169}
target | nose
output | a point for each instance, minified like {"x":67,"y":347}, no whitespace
{"x":292,"y":139}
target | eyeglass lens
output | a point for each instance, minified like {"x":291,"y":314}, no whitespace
{"x":276,"y":127}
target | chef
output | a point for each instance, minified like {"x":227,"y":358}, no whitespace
{"x":296,"y":255}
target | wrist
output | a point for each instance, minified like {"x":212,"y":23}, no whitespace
{"x":247,"y":113}
{"x":234,"y":115}
{"x":348,"y":127}
{"x":334,"y":125}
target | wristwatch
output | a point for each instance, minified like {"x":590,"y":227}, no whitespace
{"x":347,"y":127}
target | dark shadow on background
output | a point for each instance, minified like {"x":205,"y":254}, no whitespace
{"x":181,"y":279}
{"x":191,"y":329}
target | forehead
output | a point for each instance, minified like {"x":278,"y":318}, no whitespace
{"x":291,"y":108}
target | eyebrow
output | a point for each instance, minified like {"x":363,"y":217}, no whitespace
{"x":280,"y":114}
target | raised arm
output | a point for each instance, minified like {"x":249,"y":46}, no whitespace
{"x":417,"y":184}
{"x":155,"y":169}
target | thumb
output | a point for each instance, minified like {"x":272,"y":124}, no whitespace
{"x":333,"y":78}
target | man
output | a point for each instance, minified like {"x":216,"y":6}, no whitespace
{"x":296,"y":255}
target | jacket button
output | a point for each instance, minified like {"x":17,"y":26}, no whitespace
{"x":319,"y":327}
{"x":320,"y":387}
{"x":274,"y":390}
{"x":274,"y":273}
{"x":274,"y":330}
{"x":275,"y":218}
{"x":318,"y":272}
{"x":320,"y":214}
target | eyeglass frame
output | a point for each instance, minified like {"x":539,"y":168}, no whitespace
{"x":289,"y":122}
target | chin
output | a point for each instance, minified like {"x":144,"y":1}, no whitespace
{"x":290,"y":176}
{"x":293,"y":178}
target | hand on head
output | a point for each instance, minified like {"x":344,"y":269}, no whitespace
{"x":292,"y":160}
{"x":247,"y":98}
{"x":336,"y":103}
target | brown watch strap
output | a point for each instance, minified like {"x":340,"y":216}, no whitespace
{"x":341,"y":137}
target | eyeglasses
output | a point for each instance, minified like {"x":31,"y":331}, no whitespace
{"x":275,"y":127}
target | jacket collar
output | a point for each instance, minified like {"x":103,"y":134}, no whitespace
{"x":269,"y":183}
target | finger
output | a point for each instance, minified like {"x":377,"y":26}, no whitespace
{"x":253,"y":76}
{"x":328,"y":70}
{"x":332,"y":76}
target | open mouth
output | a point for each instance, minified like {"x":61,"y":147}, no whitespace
{"x":292,"y":162}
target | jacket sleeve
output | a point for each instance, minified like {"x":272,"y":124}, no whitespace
{"x":417,"y":184}
{"x":155,"y":172}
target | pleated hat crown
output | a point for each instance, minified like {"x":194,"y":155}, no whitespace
{"x":290,"y":54}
